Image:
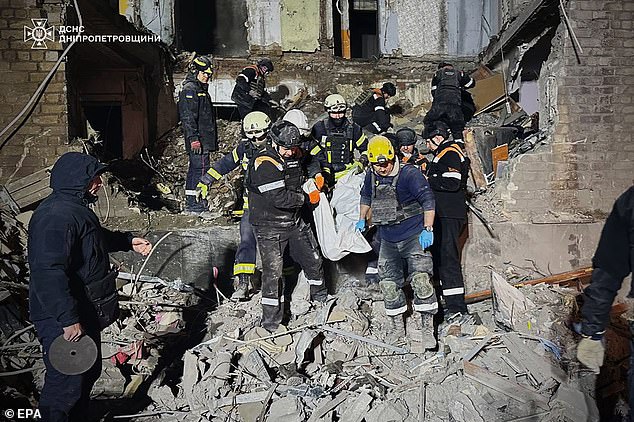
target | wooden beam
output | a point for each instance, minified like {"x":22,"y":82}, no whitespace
{"x":476,"y":164}
{"x":563,"y":278}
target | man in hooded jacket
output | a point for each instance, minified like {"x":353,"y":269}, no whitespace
{"x":72,"y":288}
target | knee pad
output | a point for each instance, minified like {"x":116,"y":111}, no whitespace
{"x":389,"y":289}
{"x":422,"y":286}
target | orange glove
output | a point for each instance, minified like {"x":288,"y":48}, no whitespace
{"x":319,"y":181}
{"x":314,"y":197}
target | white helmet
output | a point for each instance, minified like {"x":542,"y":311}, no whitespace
{"x":299,"y":119}
{"x":335,"y":103}
{"x":256,"y":124}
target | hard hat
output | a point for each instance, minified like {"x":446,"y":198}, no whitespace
{"x":444,"y":64}
{"x":439,"y":130}
{"x":406,"y":136}
{"x":299,"y":119}
{"x":201,"y":64}
{"x":380,"y":150}
{"x":389,"y":89}
{"x":256,"y":124}
{"x":266,"y":62}
{"x":335,"y":103}
{"x":285,"y":134}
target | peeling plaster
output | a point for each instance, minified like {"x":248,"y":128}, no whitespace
{"x":264,"y":23}
{"x":28,"y":142}
{"x":300,"y":22}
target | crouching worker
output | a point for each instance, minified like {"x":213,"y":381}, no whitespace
{"x":72,"y":291}
{"x":275,"y":178}
{"x":402,"y":206}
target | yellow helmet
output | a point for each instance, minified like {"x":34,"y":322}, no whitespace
{"x":380,"y":150}
{"x":256,"y":124}
{"x":335,"y":103}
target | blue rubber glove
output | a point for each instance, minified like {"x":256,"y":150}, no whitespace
{"x":360,"y":225}
{"x":426,"y":239}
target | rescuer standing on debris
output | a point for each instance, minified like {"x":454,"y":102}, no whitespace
{"x":447,"y":87}
{"x":276,"y":178}
{"x":199,"y":127}
{"x":249,"y":92}
{"x":256,"y":128}
{"x":370,"y":111}
{"x":72,"y":289}
{"x":612,"y":262}
{"x":447,"y":175}
{"x":402,"y":206}
{"x":338,"y":138}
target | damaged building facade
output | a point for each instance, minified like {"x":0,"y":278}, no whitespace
{"x":557,"y":70}
{"x":570,"y":62}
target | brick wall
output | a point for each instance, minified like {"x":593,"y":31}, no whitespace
{"x":591,"y":158}
{"x":43,"y":136}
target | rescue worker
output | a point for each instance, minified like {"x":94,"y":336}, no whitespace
{"x":338,"y":138}
{"x":299,"y":119}
{"x":249,"y":93}
{"x":447,"y":175}
{"x":199,"y":127}
{"x":256,"y":127}
{"x":402,"y":206}
{"x":447,"y":88}
{"x":275,"y":179}
{"x":370,"y":110}
{"x":407,"y":151}
{"x":612,"y":263}
{"x":72,"y":289}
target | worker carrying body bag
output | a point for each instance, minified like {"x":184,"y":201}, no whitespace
{"x":337,"y":236}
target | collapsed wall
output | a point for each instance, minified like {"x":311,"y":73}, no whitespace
{"x":552,"y":201}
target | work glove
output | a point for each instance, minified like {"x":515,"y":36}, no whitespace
{"x":310,"y":187}
{"x":364,"y":160}
{"x":426,"y":238}
{"x":202,"y":188}
{"x":196,"y":147}
{"x":360,"y":225}
{"x":254,"y":93}
{"x":319,"y":181}
{"x":590,"y":353}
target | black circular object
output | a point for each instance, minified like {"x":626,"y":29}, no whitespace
{"x":72,"y":357}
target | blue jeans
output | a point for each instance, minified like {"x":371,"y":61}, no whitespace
{"x":392,"y":256}
{"x":64,"y":396}
{"x":198,"y":165}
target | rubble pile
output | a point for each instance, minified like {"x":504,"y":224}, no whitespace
{"x":336,"y":361}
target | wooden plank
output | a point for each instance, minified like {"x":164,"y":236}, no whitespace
{"x":499,"y":153}
{"x":566,"y":278}
{"x":504,"y":386}
{"x":34,"y":197}
{"x":488,"y":91}
{"x":476,"y":164}
{"x":30,"y":189}
{"x":30,"y":179}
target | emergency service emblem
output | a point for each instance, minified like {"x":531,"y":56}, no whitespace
{"x":39,"y":34}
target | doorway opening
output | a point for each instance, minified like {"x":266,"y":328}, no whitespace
{"x":355,"y":24}
{"x":104,"y":123}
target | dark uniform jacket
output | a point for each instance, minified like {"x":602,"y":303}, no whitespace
{"x":249,"y":81}
{"x":447,"y":86}
{"x":197,"y":115}
{"x":371,"y":114}
{"x":612,"y":262}
{"x":275,"y":187}
{"x":67,"y":246}
{"x":338,"y":142}
{"x":447,"y":175}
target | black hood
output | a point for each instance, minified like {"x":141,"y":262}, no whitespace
{"x":73,"y":172}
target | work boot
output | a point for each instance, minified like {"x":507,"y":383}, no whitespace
{"x":396,"y":330}
{"x":241,"y":287}
{"x":427,"y":338}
